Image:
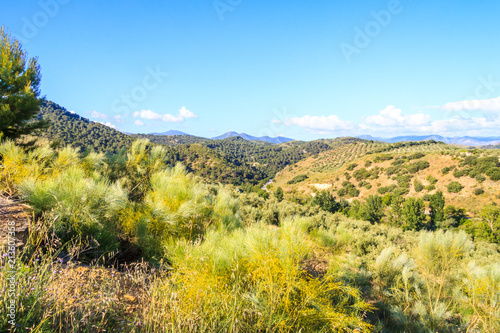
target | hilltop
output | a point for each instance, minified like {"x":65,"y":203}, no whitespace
{"x":418,"y":169}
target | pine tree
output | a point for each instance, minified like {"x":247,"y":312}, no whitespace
{"x":19,"y":89}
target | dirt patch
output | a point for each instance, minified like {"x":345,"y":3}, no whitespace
{"x":322,"y":186}
{"x":13,"y":214}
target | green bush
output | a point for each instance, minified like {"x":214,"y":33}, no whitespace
{"x":454,"y":187}
{"x":418,"y":186}
{"x":478,"y":191}
{"x":432,"y":180}
{"x":386,"y":189}
{"x":458,"y":173}
{"x":493,"y":173}
{"x":298,"y":179}
{"x":351,"y":166}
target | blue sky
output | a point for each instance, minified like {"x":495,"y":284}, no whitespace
{"x":301,"y":69}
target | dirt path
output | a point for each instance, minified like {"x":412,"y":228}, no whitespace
{"x":13,"y":214}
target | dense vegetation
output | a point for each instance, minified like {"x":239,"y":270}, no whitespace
{"x":218,"y":259}
{"x":68,"y":128}
{"x":171,"y":140}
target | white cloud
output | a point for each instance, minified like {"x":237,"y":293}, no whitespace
{"x":107,"y":124}
{"x":488,"y":105}
{"x":148,"y":114}
{"x":182,"y":115}
{"x":392,"y":122}
{"x":185,"y":113}
{"x":138,"y":122}
{"x":464,"y":126}
{"x":98,"y":115}
{"x":118,"y":118}
{"x":320,"y":123}
{"x":394,"y":117}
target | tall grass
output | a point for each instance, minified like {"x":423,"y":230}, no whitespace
{"x":250,"y":280}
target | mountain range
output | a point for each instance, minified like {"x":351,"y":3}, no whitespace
{"x":245,"y":136}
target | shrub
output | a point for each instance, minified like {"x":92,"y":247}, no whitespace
{"x":412,"y":214}
{"x":445,"y":170}
{"x":251,"y":280}
{"x":298,"y":179}
{"x":454,"y":187}
{"x":78,"y":206}
{"x":361,"y":174}
{"x":416,"y":156}
{"x":478,"y":191}
{"x":351,"y":166}
{"x":480,"y":178}
{"x":458,"y":173}
{"x":432,"y":180}
{"x":386,"y":189}
{"x":493,"y":173}
{"x":418,"y":186}
{"x":417,"y":166}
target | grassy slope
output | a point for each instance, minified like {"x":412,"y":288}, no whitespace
{"x":327,"y":171}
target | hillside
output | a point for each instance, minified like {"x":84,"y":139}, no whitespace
{"x":170,"y":140}
{"x":357,"y":171}
{"x":67,"y":128}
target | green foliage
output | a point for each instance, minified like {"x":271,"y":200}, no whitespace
{"x":252,"y":281}
{"x":278,"y":194}
{"x":412,"y":214}
{"x":326,"y":202}
{"x":373,"y":209}
{"x":417,"y":166}
{"x":445,"y":170}
{"x":386,"y":189}
{"x":416,"y":156}
{"x":361,"y":174}
{"x":458,"y":173}
{"x":479,"y":191}
{"x":493,"y":173}
{"x":432,"y":180}
{"x":351,"y":166}
{"x":19,"y":89}
{"x":68,"y":128}
{"x":436,"y":205}
{"x":77,"y":205}
{"x":418,"y":186}
{"x":298,"y":179}
{"x":454,"y":187}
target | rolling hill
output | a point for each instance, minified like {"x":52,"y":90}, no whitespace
{"x":418,"y":169}
{"x":67,"y":128}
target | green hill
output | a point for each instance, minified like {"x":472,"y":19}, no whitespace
{"x":67,"y":128}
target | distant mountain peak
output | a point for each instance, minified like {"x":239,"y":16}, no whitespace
{"x":248,"y":137}
{"x":171,"y":132}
